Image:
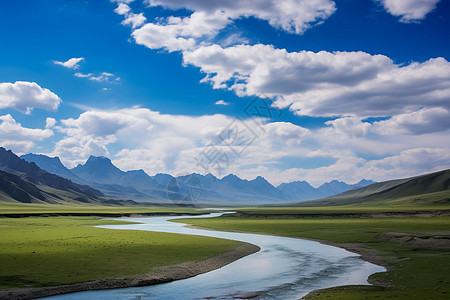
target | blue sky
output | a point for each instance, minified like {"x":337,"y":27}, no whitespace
{"x":356,"y":89}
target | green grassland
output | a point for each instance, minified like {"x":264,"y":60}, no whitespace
{"x":20,"y":208}
{"x":414,"y":271}
{"x":336,"y":210}
{"x":48,"y":251}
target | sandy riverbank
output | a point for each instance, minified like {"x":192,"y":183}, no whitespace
{"x":159,"y":275}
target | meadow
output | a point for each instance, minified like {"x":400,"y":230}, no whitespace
{"x":50,"y":251}
{"x":37,"y":209}
{"x":415,"y":270}
{"x":41,"y":251}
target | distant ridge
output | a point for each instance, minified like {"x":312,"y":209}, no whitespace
{"x":302,"y":190}
{"x":100,"y":173}
{"x":433,"y":188}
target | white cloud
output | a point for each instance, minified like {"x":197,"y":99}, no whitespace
{"x":208,"y":18}
{"x":425,"y":120}
{"x":221,"y":102}
{"x":285,"y":132}
{"x":413,"y":100}
{"x":10,"y":130}
{"x":75,"y":150}
{"x":72,"y":63}
{"x":332,"y":84}
{"x":324,"y":83}
{"x":18,"y":147}
{"x":135,"y":20}
{"x":104,"y":77}
{"x":409,"y":10}
{"x":290,"y":15}
{"x":172,"y":142}
{"x":24,"y":96}
{"x":352,"y":169}
{"x":81,"y":75}
{"x":175,"y":33}
{"x":50,"y":122}
{"x":122,"y":9}
{"x":350,"y":126}
{"x":422,"y":121}
{"x":122,"y":1}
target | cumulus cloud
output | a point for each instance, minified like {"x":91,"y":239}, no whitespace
{"x":208,"y":18}
{"x":350,"y":126}
{"x":324,"y":83}
{"x":50,"y":122}
{"x":18,"y":138}
{"x":348,"y":87}
{"x":290,"y":15}
{"x":18,"y":147}
{"x":330,"y":84}
{"x":75,"y":150}
{"x":176,"y":33}
{"x":285,"y":132}
{"x":425,"y":120}
{"x":72,"y":63}
{"x":172,"y":144}
{"x":24,"y":96}
{"x":409,"y":10}
{"x":132,"y":19}
{"x":422,"y":121}
{"x":173,"y":141}
{"x":352,"y":169}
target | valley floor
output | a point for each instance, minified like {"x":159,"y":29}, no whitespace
{"x":51,"y":255}
{"x":43,"y":256}
{"x":415,"y":250}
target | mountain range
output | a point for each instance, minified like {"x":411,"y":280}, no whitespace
{"x":21,"y":181}
{"x":41,"y":179}
{"x":101,"y":174}
{"x":433,"y":188}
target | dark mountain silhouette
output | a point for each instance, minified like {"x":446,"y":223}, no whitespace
{"x":21,"y":178}
{"x":13,"y":187}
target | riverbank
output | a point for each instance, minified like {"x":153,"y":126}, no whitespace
{"x":370,"y":255}
{"x":414,"y":250}
{"x":159,"y":275}
{"x":54,"y":255}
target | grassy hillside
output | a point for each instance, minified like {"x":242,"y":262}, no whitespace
{"x":426,"y":190}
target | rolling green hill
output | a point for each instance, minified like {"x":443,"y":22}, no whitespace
{"x":429,"y":189}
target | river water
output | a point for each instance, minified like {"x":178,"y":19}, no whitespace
{"x":284,"y":268}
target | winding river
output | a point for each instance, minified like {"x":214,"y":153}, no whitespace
{"x":284,"y":268}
